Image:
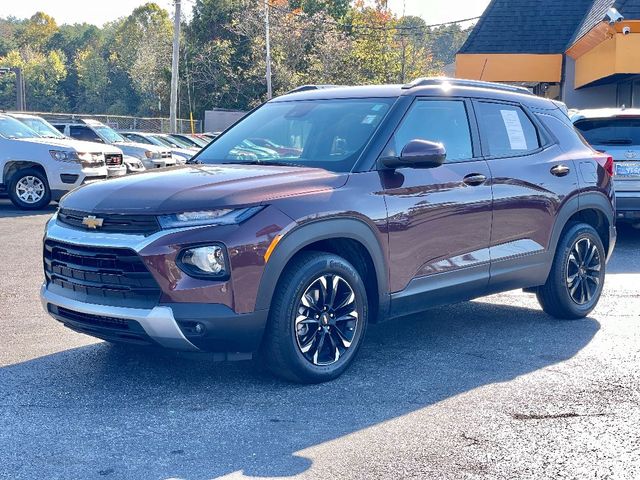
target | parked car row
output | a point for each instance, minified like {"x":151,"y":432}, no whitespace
{"x":40,"y":161}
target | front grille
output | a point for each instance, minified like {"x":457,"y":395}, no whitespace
{"x":113,"y":159}
{"x":95,"y":320}
{"x":115,"y":223}
{"x":103,"y":274}
{"x":109,"y":328}
{"x":166,"y":154}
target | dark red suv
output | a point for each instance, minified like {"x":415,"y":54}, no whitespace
{"x":332,"y":207}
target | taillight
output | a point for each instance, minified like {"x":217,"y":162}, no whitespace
{"x":606,"y":162}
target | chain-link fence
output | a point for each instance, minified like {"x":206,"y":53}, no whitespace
{"x":121,"y":122}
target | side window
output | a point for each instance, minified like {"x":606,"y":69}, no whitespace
{"x":60,"y":128}
{"x":83,"y":133}
{"x":443,"y":121}
{"x":506,"y":130}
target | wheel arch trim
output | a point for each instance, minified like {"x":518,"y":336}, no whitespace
{"x":582,"y":202}
{"x":304,"y":235}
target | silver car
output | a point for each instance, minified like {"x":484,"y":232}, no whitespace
{"x":616,"y":131}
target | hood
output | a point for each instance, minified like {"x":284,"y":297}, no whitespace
{"x":184,"y":152}
{"x":60,"y":144}
{"x":138,"y":149}
{"x":200,"y":187}
{"x":82,"y":146}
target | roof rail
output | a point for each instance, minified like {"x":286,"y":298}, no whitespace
{"x":426,"y":81}
{"x":304,"y":88}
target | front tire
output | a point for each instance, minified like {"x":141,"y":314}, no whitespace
{"x":29,"y":189}
{"x":577,"y":275}
{"x":317,"y":320}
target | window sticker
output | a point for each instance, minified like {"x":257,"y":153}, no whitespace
{"x":377,"y":107}
{"x":369,"y":119}
{"x":512,"y":124}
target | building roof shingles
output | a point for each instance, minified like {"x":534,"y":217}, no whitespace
{"x":540,"y":26}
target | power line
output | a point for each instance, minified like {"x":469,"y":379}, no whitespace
{"x":371,"y":27}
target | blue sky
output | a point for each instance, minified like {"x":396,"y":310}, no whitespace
{"x":99,"y":11}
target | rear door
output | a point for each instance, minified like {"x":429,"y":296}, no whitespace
{"x":531,"y":180}
{"x":439,"y":219}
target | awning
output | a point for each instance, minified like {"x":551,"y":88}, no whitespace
{"x":615,"y":54}
{"x":507,"y":67}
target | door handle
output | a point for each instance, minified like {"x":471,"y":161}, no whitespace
{"x":560,"y":170}
{"x":474,"y":179}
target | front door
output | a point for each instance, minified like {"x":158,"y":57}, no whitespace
{"x":439,"y":219}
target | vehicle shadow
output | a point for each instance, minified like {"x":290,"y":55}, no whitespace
{"x":106,"y":410}
{"x":625,"y":258}
{"x":8,"y":210}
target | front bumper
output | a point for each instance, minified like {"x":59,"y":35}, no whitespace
{"x":117,"y":170}
{"x":170,"y":320}
{"x":171,"y":326}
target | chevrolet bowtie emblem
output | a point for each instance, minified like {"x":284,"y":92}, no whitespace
{"x":92,"y":222}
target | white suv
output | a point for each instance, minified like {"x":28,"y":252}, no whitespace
{"x":35,"y":170}
{"x":91,"y":130}
{"x":113,"y":156}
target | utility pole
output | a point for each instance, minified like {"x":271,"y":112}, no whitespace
{"x":266,"y":18}
{"x":21,"y":103}
{"x":173,"y":105}
{"x":20,"y":90}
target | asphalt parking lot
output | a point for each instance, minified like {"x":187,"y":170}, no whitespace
{"x":486,"y":389}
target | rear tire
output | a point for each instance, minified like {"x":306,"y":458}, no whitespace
{"x":575,"y":282}
{"x":29,"y":189}
{"x":317,"y":319}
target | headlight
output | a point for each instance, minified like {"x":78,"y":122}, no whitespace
{"x":207,"y":261}
{"x":152,"y":155}
{"x":64,"y":155}
{"x":225,"y":216}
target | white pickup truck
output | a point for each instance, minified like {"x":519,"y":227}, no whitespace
{"x":113,"y":156}
{"x":93,"y":131}
{"x":35,"y":170}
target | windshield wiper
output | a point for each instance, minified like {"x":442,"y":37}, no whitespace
{"x":616,"y":141}
{"x":267,"y":163}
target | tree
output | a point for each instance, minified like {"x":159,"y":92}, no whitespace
{"x":337,"y":9}
{"x":141,"y":48}
{"x":37,"y":31}
{"x":43,"y":76}
{"x":446,"y":41}
{"x":92,"y":72}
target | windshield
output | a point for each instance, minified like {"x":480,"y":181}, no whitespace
{"x":161,"y":141}
{"x":198,"y":142}
{"x":329,"y":134}
{"x":109,"y":134}
{"x":12,"y":128}
{"x":176,"y":142}
{"x":610,"y":131}
{"x":41,"y":127}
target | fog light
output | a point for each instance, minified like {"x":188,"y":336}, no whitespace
{"x":208,"y":261}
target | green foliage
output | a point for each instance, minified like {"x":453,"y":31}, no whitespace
{"x":124,"y":67}
{"x":43,"y":72}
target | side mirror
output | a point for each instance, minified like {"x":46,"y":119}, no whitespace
{"x":418,"y":154}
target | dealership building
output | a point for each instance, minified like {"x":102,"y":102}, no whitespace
{"x":583,"y":52}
